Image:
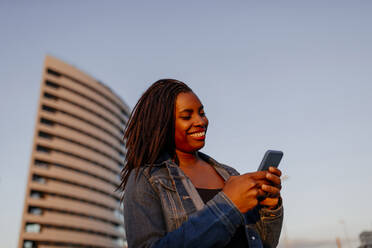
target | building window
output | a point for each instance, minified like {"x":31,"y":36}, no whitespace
{"x":49,"y":109}
{"x":41,"y":164}
{"x":47,"y":122}
{"x":118,"y":214}
{"x":120,"y":165}
{"x":53,"y":72}
{"x":50,"y":96}
{"x":43,"y":149}
{"x":38,"y":179}
{"x":52,"y":84}
{"x":29,"y":244}
{"x":33,"y":228}
{"x":35,"y":210}
{"x":45,"y":135}
{"x":120,"y":229}
{"x":120,"y":242}
{"x":36,"y":195}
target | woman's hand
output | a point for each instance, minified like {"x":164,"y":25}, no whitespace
{"x":272,"y":190}
{"x":244,"y":190}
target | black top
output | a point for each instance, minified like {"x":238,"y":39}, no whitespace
{"x":239,"y":239}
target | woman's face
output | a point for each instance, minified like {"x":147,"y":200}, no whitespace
{"x":190,"y":123}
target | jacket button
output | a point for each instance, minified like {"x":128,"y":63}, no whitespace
{"x":253,"y":238}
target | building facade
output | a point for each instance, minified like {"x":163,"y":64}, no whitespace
{"x":365,"y":239}
{"x":77,"y":155}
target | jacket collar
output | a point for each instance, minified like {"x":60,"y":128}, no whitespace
{"x":166,"y":158}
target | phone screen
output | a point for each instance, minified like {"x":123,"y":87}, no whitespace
{"x":271,"y":158}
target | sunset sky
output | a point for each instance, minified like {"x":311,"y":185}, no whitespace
{"x":294,"y":76}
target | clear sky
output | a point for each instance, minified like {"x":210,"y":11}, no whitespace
{"x":288,"y":75}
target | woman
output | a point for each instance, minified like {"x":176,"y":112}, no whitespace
{"x":176,"y":196}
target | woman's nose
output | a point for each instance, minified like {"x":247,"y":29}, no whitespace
{"x":201,"y":121}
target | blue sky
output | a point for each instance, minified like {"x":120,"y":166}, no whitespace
{"x":288,"y":75}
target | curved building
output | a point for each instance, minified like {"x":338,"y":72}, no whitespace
{"x":76,"y":159}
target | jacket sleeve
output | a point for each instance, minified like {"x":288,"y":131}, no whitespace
{"x":212,"y":226}
{"x":267,"y":222}
{"x":270,"y":225}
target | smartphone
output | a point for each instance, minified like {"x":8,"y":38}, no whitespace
{"x":271,"y":158}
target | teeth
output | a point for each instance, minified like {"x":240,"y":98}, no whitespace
{"x":200,"y":134}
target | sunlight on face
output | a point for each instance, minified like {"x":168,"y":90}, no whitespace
{"x":191,"y":123}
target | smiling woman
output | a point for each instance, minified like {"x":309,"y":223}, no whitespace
{"x":190,"y":123}
{"x":176,"y":196}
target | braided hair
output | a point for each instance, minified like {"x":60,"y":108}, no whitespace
{"x":150,"y":128}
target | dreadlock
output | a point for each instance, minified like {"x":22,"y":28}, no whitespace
{"x":150,"y":129}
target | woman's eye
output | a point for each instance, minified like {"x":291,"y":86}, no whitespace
{"x":185,"y":117}
{"x":202,"y":114}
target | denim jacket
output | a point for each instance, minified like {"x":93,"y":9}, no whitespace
{"x":163,"y":209}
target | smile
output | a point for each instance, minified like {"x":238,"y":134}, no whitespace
{"x":199,"y":134}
